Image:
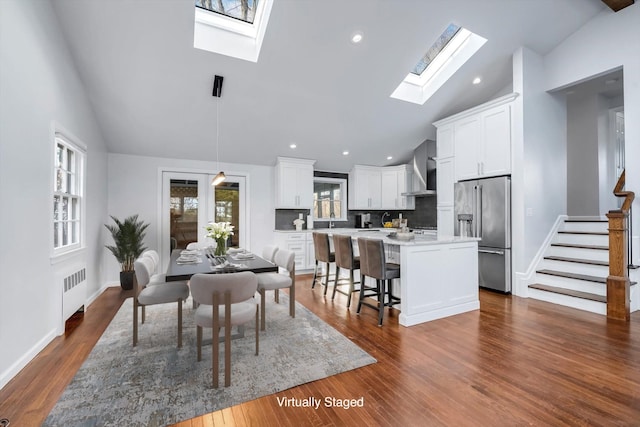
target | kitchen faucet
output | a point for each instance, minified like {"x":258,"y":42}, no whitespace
{"x":331,"y":217}
{"x":383,"y":215}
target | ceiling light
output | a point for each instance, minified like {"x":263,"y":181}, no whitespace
{"x":217,"y":92}
{"x":389,"y":157}
{"x":345,"y":153}
{"x":356,"y":37}
{"x":477,"y":81}
{"x":292,"y":146}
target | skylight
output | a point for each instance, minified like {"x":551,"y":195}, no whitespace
{"x":231,"y":27}
{"x":243,"y":10}
{"x":435,"y":49}
{"x":446,"y":55}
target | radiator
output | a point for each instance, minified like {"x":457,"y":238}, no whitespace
{"x":74,"y":290}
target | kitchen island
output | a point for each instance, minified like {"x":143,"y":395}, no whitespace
{"x":438,"y":276}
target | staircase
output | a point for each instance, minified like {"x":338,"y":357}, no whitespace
{"x":574,"y":269}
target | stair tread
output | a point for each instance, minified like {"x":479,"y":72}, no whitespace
{"x":577,"y":276}
{"x":590,"y":233}
{"x":585,"y":220}
{"x":578,"y":260}
{"x":569,"y":292}
{"x":572,"y":245}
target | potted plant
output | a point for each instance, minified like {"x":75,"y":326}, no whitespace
{"x":128,"y":236}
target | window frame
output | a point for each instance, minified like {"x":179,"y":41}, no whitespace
{"x":77,"y":171}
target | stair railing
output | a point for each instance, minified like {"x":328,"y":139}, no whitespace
{"x":618,"y":293}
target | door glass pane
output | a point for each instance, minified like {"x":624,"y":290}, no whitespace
{"x":227,"y":208}
{"x":183,"y":206}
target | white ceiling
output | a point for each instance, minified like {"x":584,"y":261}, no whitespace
{"x":151,"y":90}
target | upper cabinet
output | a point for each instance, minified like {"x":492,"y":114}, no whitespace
{"x":380,"y":188}
{"x":480,"y":139}
{"x":294,"y":183}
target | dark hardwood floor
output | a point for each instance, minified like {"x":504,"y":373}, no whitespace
{"x":514,"y":362}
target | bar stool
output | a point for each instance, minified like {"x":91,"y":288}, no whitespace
{"x":373,"y":264}
{"x":323,"y":254}
{"x":343,"y":246}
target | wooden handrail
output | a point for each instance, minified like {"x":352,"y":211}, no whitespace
{"x":618,"y":292}
{"x":628,"y":195}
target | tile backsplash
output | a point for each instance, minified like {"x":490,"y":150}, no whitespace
{"x":424,"y":215}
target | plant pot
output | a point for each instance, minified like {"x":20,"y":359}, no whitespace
{"x":126,"y":280}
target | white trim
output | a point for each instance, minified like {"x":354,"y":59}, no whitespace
{"x":27,"y":357}
{"x":477,"y":109}
{"x":523,"y":280}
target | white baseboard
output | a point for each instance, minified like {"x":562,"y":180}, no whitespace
{"x":14,"y":369}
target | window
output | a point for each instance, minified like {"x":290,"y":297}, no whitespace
{"x":329,"y":199}
{"x":68,"y":202}
{"x":231,"y":27}
{"x":454,"y":47}
{"x":244,"y":10}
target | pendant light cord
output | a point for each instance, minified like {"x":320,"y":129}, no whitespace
{"x":218,"y":133}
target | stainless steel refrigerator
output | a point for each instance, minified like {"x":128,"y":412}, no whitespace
{"x":483,"y":209}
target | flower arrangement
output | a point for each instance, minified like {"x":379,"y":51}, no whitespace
{"x":220,"y":232}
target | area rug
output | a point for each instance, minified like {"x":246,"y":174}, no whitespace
{"x":155,"y":383}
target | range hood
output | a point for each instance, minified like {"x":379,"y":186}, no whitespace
{"x":424,"y":170}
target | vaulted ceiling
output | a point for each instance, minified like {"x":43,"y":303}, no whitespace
{"x":151,"y":89}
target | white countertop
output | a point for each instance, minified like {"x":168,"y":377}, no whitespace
{"x":430,"y":238}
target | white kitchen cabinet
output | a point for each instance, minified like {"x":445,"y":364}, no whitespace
{"x":380,"y":188}
{"x":480,"y":138}
{"x":311,"y":252}
{"x":294,"y":183}
{"x":445,"y":218}
{"x":445,"y":171}
{"x":364,"y":187}
{"x":297,"y":243}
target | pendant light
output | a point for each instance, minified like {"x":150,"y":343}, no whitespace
{"x":217,"y":92}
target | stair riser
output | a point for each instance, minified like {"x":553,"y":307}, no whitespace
{"x":582,"y":239}
{"x":573,"y":284}
{"x":585,"y":226}
{"x":579,"y":303}
{"x":591,"y":254}
{"x":573,"y":267}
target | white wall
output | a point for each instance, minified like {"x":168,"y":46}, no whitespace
{"x":607,"y":42}
{"x":38,"y":84}
{"x":583,"y":155}
{"x":539,"y":187}
{"x":134,"y":188}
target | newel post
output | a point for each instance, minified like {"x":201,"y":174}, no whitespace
{"x":618,"y":280}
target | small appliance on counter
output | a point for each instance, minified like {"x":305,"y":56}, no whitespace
{"x":363,"y":221}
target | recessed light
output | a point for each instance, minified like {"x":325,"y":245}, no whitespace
{"x":389,"y":157}
{"x":292,"y":146}
{"x":345,"y":153}
{"x":477,"y":81}
{"x":356,"y":37}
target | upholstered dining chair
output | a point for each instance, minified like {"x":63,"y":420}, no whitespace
{"x":197,"y":246}
{"x":268,"y":252}
{"x":156,"y":276}
{"x":284,"y":259}
{"x":345,"y":260}
{"x":323,"y":254}
{"x":225,"y":300}
{"x":159,"y":293}
{"x":373,"y":264}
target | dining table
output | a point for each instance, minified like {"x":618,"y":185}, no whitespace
{"x":206,"y":262}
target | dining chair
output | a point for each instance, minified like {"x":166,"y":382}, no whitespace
{"x":345,"y":260}
{"x":284,"y":259}
{"x":159,"y":293}
{"x":323,"y":254}
{"x":197,"y":246}
{"x":156,"y":276}
{"x":225,"y":300}
{"x":373,"y":264}
{"x":268,"y":252}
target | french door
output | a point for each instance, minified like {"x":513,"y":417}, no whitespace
{"x":189,"y":203}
